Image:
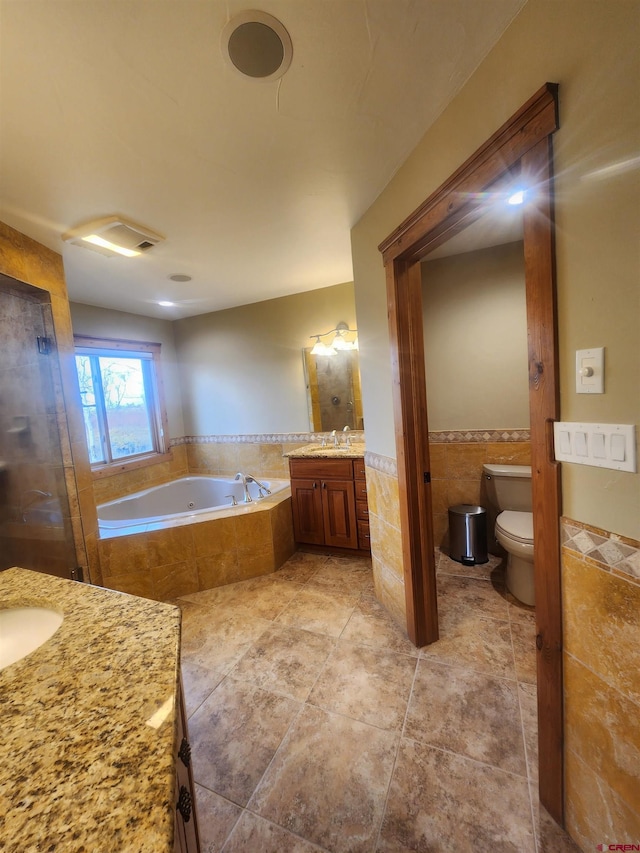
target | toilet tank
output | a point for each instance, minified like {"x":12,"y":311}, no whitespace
{"x":509,"y":486}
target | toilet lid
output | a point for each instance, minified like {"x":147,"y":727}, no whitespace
{"x":517,"y":525}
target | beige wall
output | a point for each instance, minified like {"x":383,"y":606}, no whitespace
{"x":105,"y":323}
{"x":590,"y":49}
{"x":241,"y":370}
{"x":475,"y":339}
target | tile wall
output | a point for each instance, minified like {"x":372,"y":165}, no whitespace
{"x":601,"y":611}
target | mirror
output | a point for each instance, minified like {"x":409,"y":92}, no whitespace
{"x":334,"y":396}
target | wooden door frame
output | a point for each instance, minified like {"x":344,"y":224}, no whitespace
{"x":521,"y":147}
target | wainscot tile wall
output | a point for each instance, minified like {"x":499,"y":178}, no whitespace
{"x":456,"y":470}
{"x":601,"y":610}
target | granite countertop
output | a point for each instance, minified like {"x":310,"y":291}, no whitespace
{"x":89,"y":722}
{"x":317,"y":451}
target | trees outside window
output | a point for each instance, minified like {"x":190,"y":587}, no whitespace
{"x":120,"y":388}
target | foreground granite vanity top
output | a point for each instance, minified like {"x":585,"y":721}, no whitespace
{"x":316,"y":451}
{"x":88,"y":722}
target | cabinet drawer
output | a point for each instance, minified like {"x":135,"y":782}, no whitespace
{"x":361,"y":490}
{"x":358,"y":469}
{"x":364,"y":538}
{"x":362,"y":511}
{"x":329,"y":469}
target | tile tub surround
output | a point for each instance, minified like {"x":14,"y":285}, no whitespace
{"x":316,"y":726}
{"x":82,"y":767}
{"x":185,"y":555}
{"x":601,"y":611}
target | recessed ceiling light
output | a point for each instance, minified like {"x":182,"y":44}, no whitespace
{"x":180,"y":277}
{"x":166,"y":304}
{"x":257,"y":45}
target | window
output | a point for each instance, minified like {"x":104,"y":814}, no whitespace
{"x":124,"y":416}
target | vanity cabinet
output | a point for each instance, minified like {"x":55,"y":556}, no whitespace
{"x":186,"y":838}
{"x":362,"y":505}
{"x":325,"y":506}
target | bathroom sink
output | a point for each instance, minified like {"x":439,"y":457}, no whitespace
{"x":25,"y":629}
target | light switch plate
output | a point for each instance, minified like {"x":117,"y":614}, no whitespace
{"x":590,"y":371}
{"x":601,"y":445}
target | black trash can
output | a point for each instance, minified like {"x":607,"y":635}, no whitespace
{"x":468,"y":534}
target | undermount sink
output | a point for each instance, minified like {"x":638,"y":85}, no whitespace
{"x":25,"y":629}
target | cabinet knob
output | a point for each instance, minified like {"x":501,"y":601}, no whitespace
{"x":324,"y":485}
{"x":315,"y":485}
{"x":184,"y":753}
{"x":184,"y":804}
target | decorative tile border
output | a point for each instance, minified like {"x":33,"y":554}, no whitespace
{"x":616,"y":554}
{"x":384,"y":464}
{"x":466,"y":436}
{"x":261,"y":438}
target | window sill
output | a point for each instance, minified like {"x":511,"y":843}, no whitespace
{"x":98,"y":472}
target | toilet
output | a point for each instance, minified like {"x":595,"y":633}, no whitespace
{"x":509,"y":492}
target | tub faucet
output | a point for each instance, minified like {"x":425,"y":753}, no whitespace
{"x":347,"y":438}
{"x":247,"y":496}
{"x":25,"y":504}
{"x":261,"y":486}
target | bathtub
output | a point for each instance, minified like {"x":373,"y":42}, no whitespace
{"x":186,"y":536}
{"x":183,"y":498}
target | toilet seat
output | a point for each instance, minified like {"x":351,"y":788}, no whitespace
{"x":517,"y":526}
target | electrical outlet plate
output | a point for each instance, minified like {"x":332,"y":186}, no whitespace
{"x":601,"y":445}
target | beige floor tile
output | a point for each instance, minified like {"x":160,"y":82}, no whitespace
{"x":216,"y":818}
{"x":371,"y":625}
{"x":529,"y":714}
{"x":344,"y":574}
{"x":300,"y":567}
{"x":480,"y":571}
{"x":470,"y":595}
{"x":467,"y":713}
{"x":475,"y":642}
{"x":440,"y":802}
{"x":285,"y":660}
{"x":263,"y":597}
{"x":234,"y":735}
{"x":523,"y":634}
{"x":324,"y":611}
{"x":219,"y":639}
{"x":365,"y":684}
{"x":199,"y":682}
{"x":328,"y":781}
{"x":253,"y":834}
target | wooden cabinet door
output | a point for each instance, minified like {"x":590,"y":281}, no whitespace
{"x":306,"y":500}
{"x":339,"y":513}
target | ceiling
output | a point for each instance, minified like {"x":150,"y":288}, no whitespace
{"x":130,"y":108}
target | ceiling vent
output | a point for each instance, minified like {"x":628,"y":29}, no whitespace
{"x":113,"y":235}
{"x":257,"y":45}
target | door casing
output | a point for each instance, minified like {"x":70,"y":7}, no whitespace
{"x":522,"y":149}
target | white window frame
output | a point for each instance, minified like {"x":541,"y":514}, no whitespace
{"x":85,"y":345}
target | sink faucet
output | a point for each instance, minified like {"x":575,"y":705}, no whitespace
{"x":25,"y":504}
{"x":347,"y":438}
{"x":247,"y":496}
{"x":336,"y":442}
{"x":261,"y":486}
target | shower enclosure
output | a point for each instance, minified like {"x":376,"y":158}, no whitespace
{"x":35,"y":523}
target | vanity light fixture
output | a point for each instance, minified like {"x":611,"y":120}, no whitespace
{"x":166,"y":304}
{"x":113,"y":235}
{"x":339,"y":342}
{"x":516,"y":197}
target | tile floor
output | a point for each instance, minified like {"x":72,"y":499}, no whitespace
{"x":315,"y":725}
